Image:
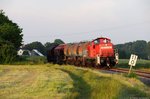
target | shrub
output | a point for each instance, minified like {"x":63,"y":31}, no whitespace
{"x":30,"y":60}
{"x":7,"y":52}
{"x":131,"y":75}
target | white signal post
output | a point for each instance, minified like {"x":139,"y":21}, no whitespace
{"x":132,"y":61}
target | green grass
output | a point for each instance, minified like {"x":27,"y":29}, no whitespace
{"x":141,"y":64}
{"x":30,"y":60}
{"x":66,"y":82}
{"x":33,"y":82}
{"x":91,"y":84}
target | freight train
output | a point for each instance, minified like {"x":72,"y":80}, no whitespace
{"x":99,"y":52}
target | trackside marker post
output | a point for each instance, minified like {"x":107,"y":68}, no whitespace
{"x":132,"y":61}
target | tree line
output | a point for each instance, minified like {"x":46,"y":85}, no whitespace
{"x":139,"y":47}
{"x":43,"y":48}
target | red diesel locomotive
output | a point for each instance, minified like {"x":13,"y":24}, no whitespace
{"x":99,"y":52}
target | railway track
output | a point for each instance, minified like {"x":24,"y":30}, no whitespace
{"x":137,"y":72}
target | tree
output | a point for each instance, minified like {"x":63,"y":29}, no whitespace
{"x":47,"y":45}
{"x":7,"y":52}
{"x":3,"y":18}
{"x":10,"y":31}
{"x":148,"y":49}
{"x":139,"y":47}
{"x":36,"y":45}
{"x":10,"y":39}
{"x":58,"y":41}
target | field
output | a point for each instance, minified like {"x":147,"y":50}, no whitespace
{"x":141,"y":64}
{"x":50,"y":81}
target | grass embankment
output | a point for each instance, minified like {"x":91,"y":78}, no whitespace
{"x":66,"y":82}
{"x":141,"y":64}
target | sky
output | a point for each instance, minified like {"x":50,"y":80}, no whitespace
{"x":80,"y":20}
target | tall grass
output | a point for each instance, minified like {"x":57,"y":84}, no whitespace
{"x":90,"y":85}
{"x":32,"y":82}
{"x":30,"y":60}
{"x":66,"y":82}
{"x":123,"y":63}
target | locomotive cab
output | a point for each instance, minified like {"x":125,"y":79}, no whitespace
{"x":100,"y":46}
{"x":101,"y":49}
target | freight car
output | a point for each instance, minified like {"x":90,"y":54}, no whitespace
{"x":99,"y":52}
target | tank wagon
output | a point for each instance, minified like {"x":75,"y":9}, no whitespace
{"x":98,"y":52}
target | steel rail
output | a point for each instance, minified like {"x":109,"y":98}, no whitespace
{"x":138,"y":72}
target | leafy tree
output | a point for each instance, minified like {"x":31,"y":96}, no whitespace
{"x":26,"y":53}
{"x":7,"y":52}
{"x":3,"y":18}
{"x":10,"y":39}
{"x":47,"y":45}
{"x":58,"y":41}
{"x":148,"y":49}
{"x":123,"y":51}
{"x":139,"y":47}
{"x":36,"y":45}
{"x":10,"y":31}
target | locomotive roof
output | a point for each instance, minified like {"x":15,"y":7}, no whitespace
{"x":102,"y":38}
{"x":61,"y":45}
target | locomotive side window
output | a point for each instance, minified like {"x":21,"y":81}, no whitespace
{"x":96,"y":41}
{"x":106,"y":41}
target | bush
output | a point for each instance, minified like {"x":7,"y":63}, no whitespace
{"x":131,"y":75}
{"x":30,"y":60}
{"x":36,"y":59}
{"x":7,"y":53}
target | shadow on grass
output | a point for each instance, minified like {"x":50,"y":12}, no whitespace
{"x":81,"y":89}
{"x":132,"y":93}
